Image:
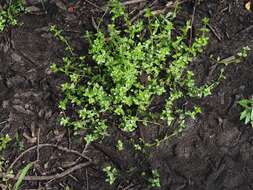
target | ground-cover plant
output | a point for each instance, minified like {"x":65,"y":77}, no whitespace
{"x":10,"y":12}
{"x":247,"y":113}
{"x":132,"y":65}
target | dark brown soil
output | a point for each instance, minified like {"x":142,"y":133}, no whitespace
{"x":214,"y":153}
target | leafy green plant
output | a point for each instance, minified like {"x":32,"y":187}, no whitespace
{"x":128,"y":66}
{"x":154,"y":181}
{"x":130,"y":69}
{"x":247,"y":113}
{"x":10,"y":12}
{"x":120,"y":145}
{"x":111,"y":174}
{"x":4,"y":140}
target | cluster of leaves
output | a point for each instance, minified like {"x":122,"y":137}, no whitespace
{"x":133,"y":64}
{"x":4,"y":140}
{"x":247,"y":113}
{"x":155,"y":179}
{"x":111,"y":174}
{"x":130,"y":69}
{"x":9,"y":14}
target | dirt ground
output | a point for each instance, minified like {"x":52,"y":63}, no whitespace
{"x":214,"y":153}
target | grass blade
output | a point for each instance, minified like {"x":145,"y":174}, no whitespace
{"x":22,"y":175}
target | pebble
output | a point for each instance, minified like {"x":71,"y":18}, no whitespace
{"x":33,"y":9}
{"x":16,"y":57}
{"x":19,"y":109}
{"x":60,"y":5}
{"x":41,"y":113}
{"x":5,"y":104}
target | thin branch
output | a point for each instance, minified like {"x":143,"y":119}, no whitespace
{"x":3,"y":122}
{"x":214,"y":32}
{"x":48,"y":145}
{"x":38,"y":144}
{"x":133,"y":2}
{"x":151,"y":122}
{"x":50,"y":177}
{"x":93,"y":4}
{"x":192,"y":21}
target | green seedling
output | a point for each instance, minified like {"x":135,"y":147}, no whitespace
{"x":247,"y":113}
{"x":4,"y":140}
{"x":154,"y":181}
{"x":111,"y":174}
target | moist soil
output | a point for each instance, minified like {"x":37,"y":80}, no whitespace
{"x":215,"y":152}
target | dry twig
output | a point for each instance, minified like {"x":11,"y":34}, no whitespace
{"x":50,"y":177}
{"x":48,"y":145}
{"x":38,"y":145}
{"x":192,"y":21}
{"x":130,"y":2}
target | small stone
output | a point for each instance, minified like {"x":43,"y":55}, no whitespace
{"x":11,"y":117}
{"x":5,"y":104}
{"x":16,"y":57}
{"x":60,"y":4}
{"x":33,"y":9}
{"x":20,"y":109}
{"x":41,"y":113}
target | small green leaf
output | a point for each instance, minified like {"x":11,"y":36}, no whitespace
{"x":247,"y":120}
{"x":243,"y":115}
{"x":22,"y":175}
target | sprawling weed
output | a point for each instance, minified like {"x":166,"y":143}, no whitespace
{"x":132,"y":64}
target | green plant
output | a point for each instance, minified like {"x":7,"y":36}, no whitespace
{"x":120,"y":145}
{"x":154,"y":181}
{"x":130,"y":69}
{"x":10,"y":12}
{"x":4,"y":140}
{"x":128,"y":66}
{"x":247,"y":113}
{"x":111,"y":174}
